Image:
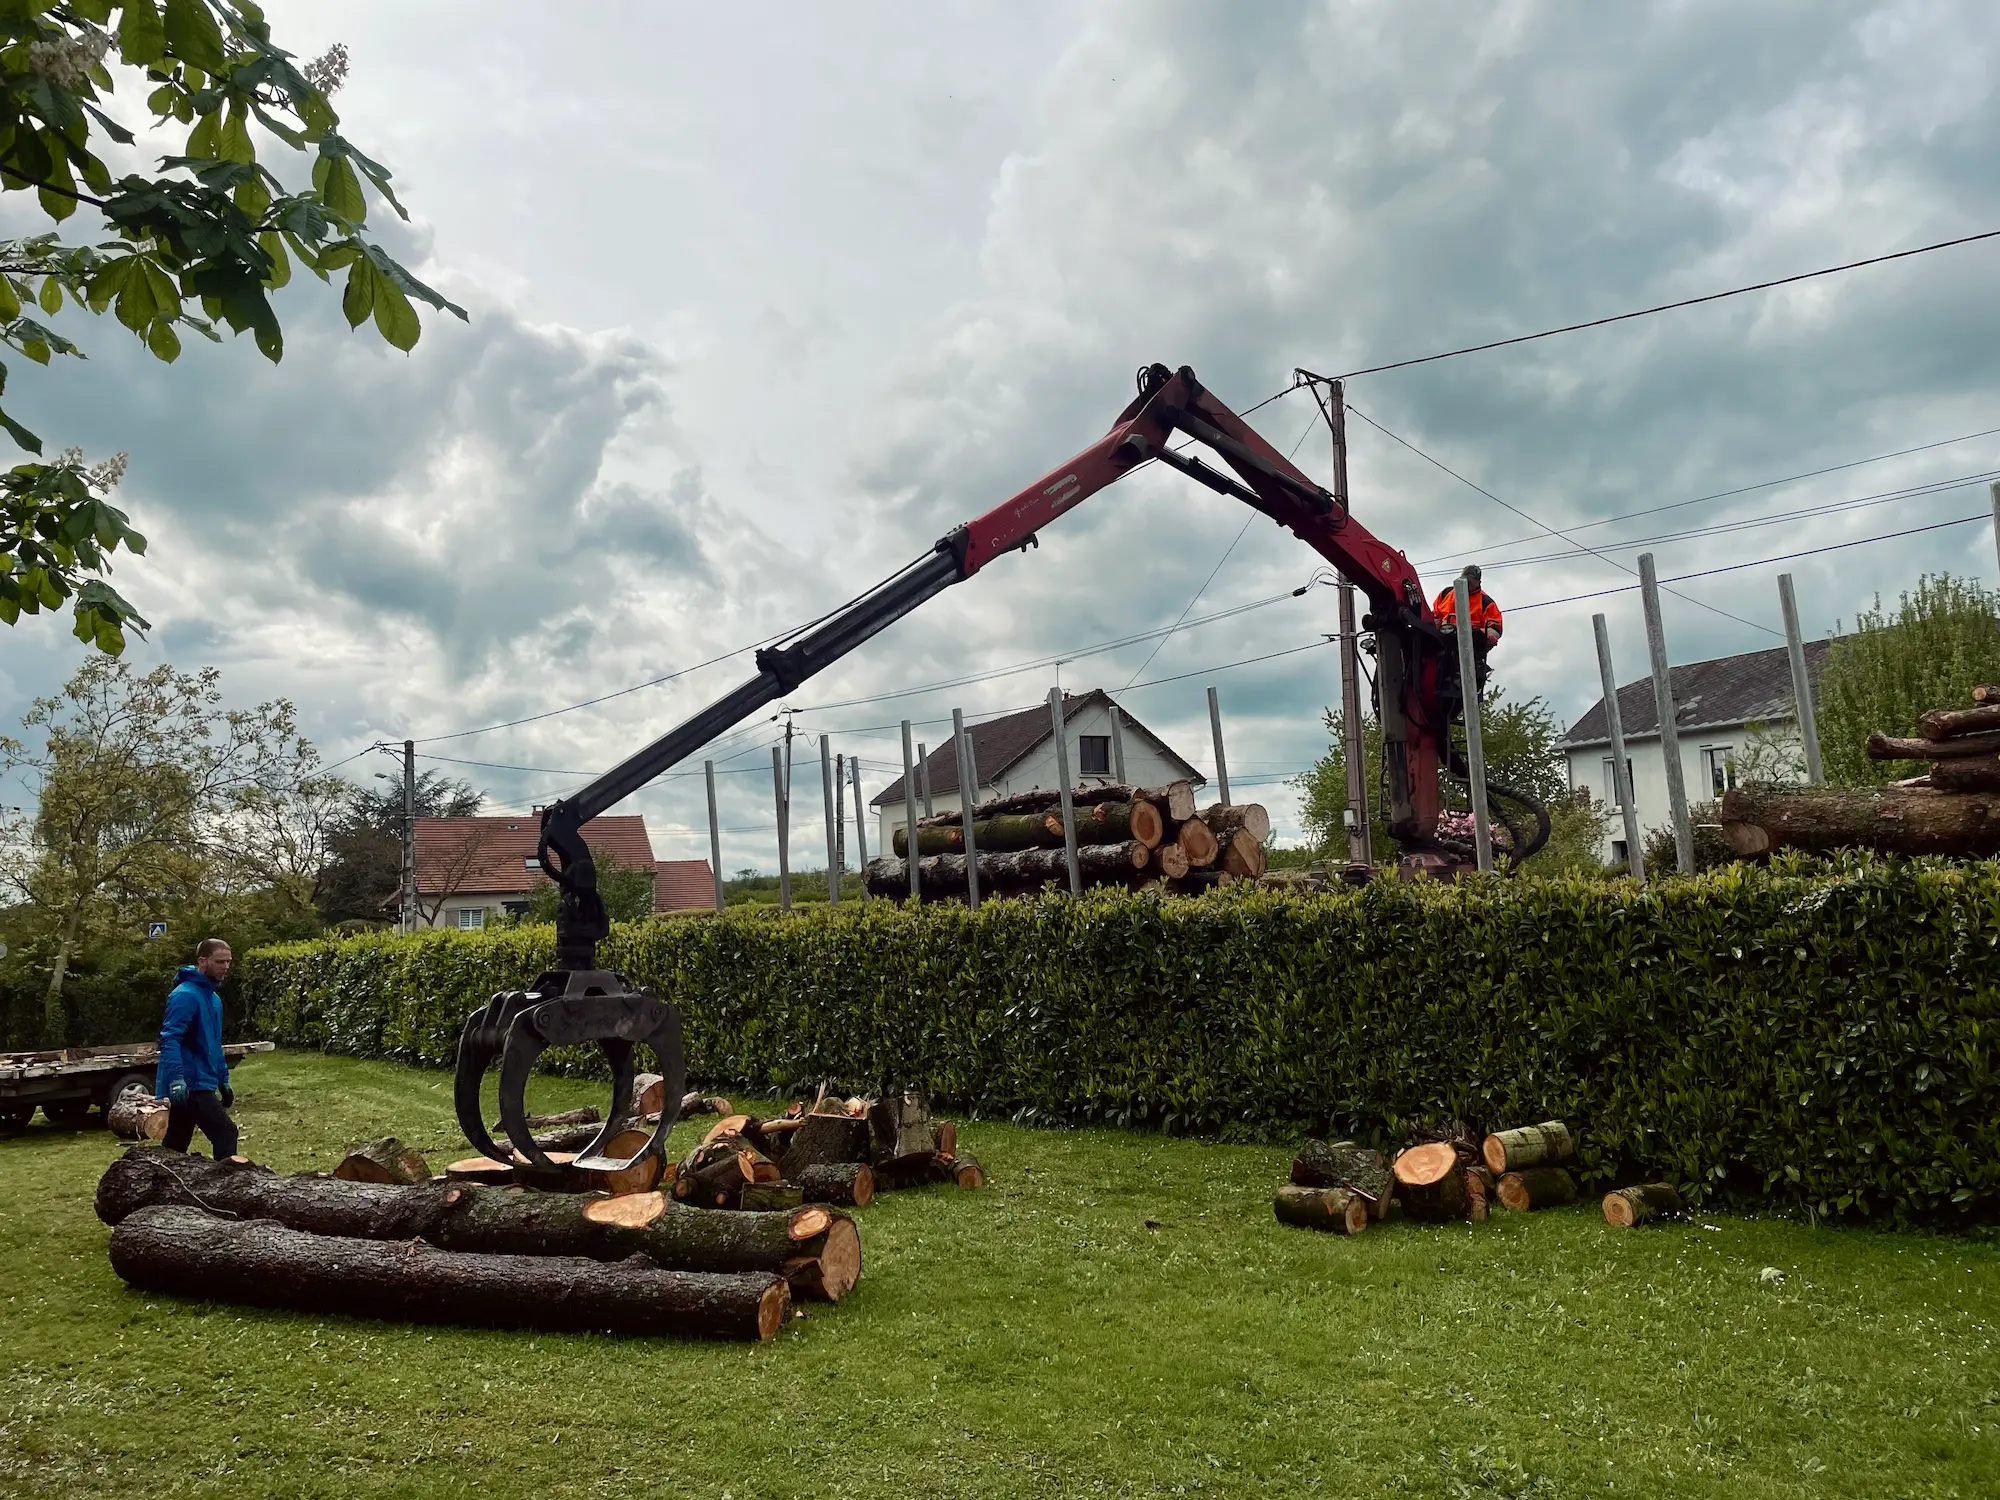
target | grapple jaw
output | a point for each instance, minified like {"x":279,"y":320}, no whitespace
{"x":563,"y":1009}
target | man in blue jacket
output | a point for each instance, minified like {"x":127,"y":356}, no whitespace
{"x":194,"y":1077}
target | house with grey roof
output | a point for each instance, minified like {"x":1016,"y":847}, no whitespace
{"x":1728,"y":713}
{"x":1017,"y":753}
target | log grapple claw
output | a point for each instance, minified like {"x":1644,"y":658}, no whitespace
{"x":566,"y":1008}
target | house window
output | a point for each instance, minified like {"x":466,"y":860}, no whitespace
{"x":1718,"y":768}
{"x":1611,"y":781}
{"x":1093,"y":754}
{"x":471,"y":918}
{"x":1620,"y":854}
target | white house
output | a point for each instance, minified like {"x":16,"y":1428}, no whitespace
{"x":1017,"y":753}
{"x":1728,"y":713}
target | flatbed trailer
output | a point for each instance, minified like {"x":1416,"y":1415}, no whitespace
{"x":67,"y":1082}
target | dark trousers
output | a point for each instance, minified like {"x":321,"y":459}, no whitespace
{"x":203,"y":1108}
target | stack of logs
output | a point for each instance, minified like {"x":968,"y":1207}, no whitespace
{"x":1343,"y":1187}
{"x":1130,"y":836}
{"x":1953,"y":809}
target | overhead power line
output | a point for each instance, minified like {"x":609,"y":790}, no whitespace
{"x":1646,"y":312}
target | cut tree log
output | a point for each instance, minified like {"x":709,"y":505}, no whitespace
{"x":641,"y":1177}
{"x":769,"y":1197}
{"x":727,"y":1125}
{"x":187,"y":1253}
{"x":949,"y":840}
{"x":1251,"y":817}
{"x":900,"y":1127}
{"x":1110,"y":823}
{"x":1757,"y":821}
{"x":1537,"y":1187}
{"x":470,"y":1218}
{"x":384,"y":1160}
{"x":964,"y":1171}
{"x":1625,"y":1207}
{"x":1336,"y":1210}
{"x":1342,"y":1164}
{"x":1888,"y":747}
{"x":585,"y":1115}
{"x":1174,"y":801}
{"x":1197,"y":843}
{"x":1986,"y":695}
{"x":824,"y":1140}
{"x":1478,"y":1193}
{"x":1241,"y":855}
{"x":1546,"y":1145}
{"x":947,"y":1137}
{"x":697,"y":1104}
{"x":1169,"y":861}
{"x":846,"y":1184}
{"x":134,"y":1117}
{"x":1431,"y":1182}
{"x":1025,"y":870}
{"x":1978,"y":775}
{"x":1949,"y":723}
{"x":913,"y":1172}
{"x":648,"y":1096}
{"x":482,"y":1169}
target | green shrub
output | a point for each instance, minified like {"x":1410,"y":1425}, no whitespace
{"x":1827,"y":1039}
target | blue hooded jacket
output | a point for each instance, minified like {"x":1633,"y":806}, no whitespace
{"x":191,"y":1036}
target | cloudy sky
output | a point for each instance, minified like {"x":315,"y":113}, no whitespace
{"x":764,"y":300}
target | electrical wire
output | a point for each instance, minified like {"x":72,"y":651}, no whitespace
{"x":1307,"y":376}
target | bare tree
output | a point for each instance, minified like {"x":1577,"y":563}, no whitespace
{"x":447,"y":869}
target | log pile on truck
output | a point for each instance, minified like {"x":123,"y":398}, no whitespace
{"x":1952,"y":809}
{"x":1342,"y":1187}
{"x":1126,"y":836}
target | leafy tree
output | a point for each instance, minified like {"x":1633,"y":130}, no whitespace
{"x":628,"y":894}
{"x":1523,"y":749}
{"x":1942,"y":639}
{"x":198,"y":246}
{"x":140,"y":785}
{"x":1710,"y":850}
{"x":364,"y":865}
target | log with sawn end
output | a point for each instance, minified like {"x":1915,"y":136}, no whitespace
{"x":1336,"y":1210}
{"x":1882,"y":746}
{"x":1625,"y":1207}
{"x":1536,"y":1187}
{"x":1430,"y":1181}
{"x":1950,"y":723}
{"x":1913,"y":820}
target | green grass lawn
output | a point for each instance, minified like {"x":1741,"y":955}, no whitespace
{"x":1035,"y":1338}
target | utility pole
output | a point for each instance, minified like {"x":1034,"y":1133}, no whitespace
{"x":1475,"y":750}
{"x":840,"y":815}
{"x":784,"y":830}
{"x":860,"y":827}
{"x":1118,"y":745}
{"x":1621,"y":771}
{"x":832,"y":827}
{"x":1353,"y":744}
{"x":409,"y":892}
{"x":1062,"y":795}
{"x":968,"y":793}
{"x":910,"y":816}
{"x":1802,"y":694}
{"x":1995,"y":490}
{"x":924,"y":776}
{"x":1215,"y":732}
{"x":714,"y":836}
{"x":1663,"y":701}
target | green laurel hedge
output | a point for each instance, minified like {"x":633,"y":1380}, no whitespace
{"x":1823,"y":1038}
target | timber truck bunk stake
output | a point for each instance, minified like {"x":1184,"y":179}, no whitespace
{"x":1416,"y":696}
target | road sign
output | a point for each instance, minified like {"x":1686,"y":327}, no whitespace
{"x":156,"y":929}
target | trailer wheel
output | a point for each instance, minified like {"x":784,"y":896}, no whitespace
{"x":67,"y":1111}
{"x":15,"y":1116}
{"x":127,"y":1083}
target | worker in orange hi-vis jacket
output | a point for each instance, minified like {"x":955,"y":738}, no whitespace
{"x":1485,"y":614}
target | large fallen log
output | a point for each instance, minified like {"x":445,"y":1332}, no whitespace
{"x":1888,"y":747}
{"x":1321,"y":1164}
{"x":384,"y":1160}
{"x":461,"y":1216}
{"x":1981,"y":774}
{"x":1335,"y":1209}
{"x":187,"y":1253}
{"x":1251,"y":817}
{"x":1949,"y":723}
{"x":1096,"y":823}
{"x":1175,"y":802}
{"x":1546,"y":1145}
{"x":1894,"y":820}
{"x":1198,"y":843}
{"x":1025,"y":870}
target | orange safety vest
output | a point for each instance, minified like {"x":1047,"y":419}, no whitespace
{"x":1485,"y":613}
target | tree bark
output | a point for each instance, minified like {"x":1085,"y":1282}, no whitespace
{"x":1626,"y":1207}
{"x":1887,"y":747}
{"x":1948,"y":723}
{"x":1198,"y":844}
{"x":1547,"y":1144}
{"x":1242,"y":856}
{"x":1024,"y":870}
{"x":1175,"y":800}
{"x":770,"y":1197}
{"x":585,"y":1115}
{"x":846,"y":1184}
{"x":461,"y":1216}
{"x":1537,"y":1187}
{"x":1986,"y":695}
{"x":187,"y":1253}
{"x":1112,"y":823}
{"x":949,"y":840}
{"x":1251,"y":817}
{"x":1430,"y":1182}
{"x":1168,"y":862}
{"x":384,"y":1160}
{"x":1910,"y":820}
{"x":900,"y":1127}
{"x":1980,"y":775}
{"x":54,"y":1025}
{"x":1335,"y":1210}
{"x":825,"y":1140}
{"x":137,"y":1118}
{"x":1342,"y":1164}
{"x":696,"y":1104}
{"x":1478,"y":1193}
{"x":964,"y":1171}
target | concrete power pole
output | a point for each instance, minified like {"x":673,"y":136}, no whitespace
{"x":408,"y":904}
{"x":1621,"y":773}
{"x":1802,"y":696}
{"x":1353,"y":745}
{"x":1663,"y":700}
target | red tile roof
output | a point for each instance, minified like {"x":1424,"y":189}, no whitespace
{"x":683,"y":885}
{"x":484,"y":856}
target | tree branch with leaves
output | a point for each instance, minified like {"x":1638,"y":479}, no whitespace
{"x":200,"y":246}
